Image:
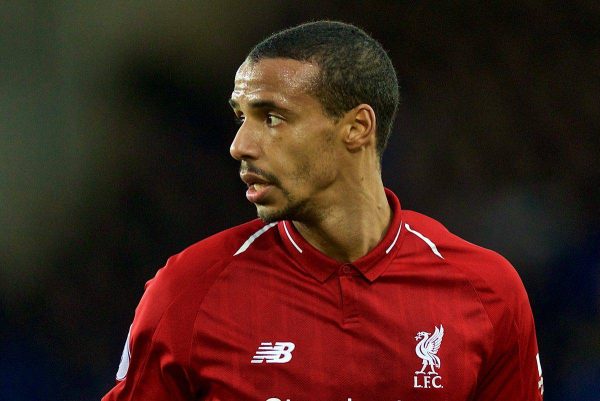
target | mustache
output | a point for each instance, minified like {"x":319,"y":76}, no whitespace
{"x":246,"y":167}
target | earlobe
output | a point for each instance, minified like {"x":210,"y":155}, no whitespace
{"x":361,"y":128}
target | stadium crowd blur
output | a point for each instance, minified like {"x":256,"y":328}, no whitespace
{"x":114,"y":138}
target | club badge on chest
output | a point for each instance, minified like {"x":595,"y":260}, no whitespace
{"x":427,"y":348}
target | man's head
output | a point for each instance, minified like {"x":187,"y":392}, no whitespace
{"x":316,"y":104}
{"x":353,"y":69}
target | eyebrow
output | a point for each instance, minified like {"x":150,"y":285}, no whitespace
{"x":259,"y":104}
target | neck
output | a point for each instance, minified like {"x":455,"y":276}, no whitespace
{"x":352,"y":224}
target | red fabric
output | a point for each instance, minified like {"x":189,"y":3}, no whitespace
{"x":354,"y":327}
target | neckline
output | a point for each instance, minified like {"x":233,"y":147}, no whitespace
{"x":321,"y":266}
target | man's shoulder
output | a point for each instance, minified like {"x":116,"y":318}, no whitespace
{"x":485,"y":269}
{"x":202,"y":262}
{"x":453,"y":246}
{"x":180,"y":286}
{"x":493,"y":279}
{"x":219,"y":246}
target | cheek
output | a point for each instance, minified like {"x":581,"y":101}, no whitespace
{"x":317,"y":166}
{"x":308,"y":155}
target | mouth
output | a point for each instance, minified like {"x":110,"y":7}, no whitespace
{"x":258,"y":187}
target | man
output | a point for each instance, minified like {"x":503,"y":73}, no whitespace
{"x":335,"y":293}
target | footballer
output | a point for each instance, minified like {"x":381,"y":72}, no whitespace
{"x":334,"y":292}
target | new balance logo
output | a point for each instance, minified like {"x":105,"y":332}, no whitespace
{"x":281,"y":352}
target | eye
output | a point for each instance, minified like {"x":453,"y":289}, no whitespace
{"x":273,"y":121}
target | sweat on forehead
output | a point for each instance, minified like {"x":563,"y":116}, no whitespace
{"x":284,"y":82}
{"x":293,"y":74}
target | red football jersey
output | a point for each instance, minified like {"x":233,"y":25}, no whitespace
{"x":256,"y":313}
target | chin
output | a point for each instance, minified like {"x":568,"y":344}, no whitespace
{"x":270,"y":216}
{"x":291,"y":211}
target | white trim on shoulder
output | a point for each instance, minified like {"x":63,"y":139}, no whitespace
{"x":395,"y":239}
{"x":427,"y":241}
{"x":253,"y":237}
{"x":290,"y":237}
{"x":125,"y":358}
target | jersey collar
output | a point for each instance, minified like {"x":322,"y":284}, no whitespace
{"x":321,"y":266}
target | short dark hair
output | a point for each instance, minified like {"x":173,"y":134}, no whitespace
{"x":354,"y":69}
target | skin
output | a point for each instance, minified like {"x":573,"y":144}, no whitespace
{"x":321,"y":173}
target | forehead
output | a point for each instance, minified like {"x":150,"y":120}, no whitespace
{"x":279,"y":79}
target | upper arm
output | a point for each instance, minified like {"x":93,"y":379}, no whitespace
{"x":512,"y":370}
{"x":154,"y":365}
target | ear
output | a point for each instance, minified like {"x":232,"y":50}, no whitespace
{"x":361,"y":128}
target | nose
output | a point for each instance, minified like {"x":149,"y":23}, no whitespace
{"x":244,"y":145}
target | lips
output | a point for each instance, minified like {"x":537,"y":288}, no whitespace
{"x":258,"y":187}
{"x":252,"y":179}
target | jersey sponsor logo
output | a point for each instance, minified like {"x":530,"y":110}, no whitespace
{"x":281,"y":352}
{"x":427,"y":348}
{"x":125,"y":357}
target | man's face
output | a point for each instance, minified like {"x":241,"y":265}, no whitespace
{"x":287,"y":146}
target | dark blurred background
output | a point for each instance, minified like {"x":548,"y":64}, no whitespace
{"x":114,"y":137}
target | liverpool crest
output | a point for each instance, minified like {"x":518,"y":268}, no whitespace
{"x":427,"y":349}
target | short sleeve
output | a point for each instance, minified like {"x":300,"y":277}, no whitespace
{"x":154,"y":364}
{"x":513,"y":370}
